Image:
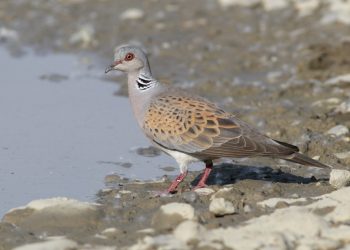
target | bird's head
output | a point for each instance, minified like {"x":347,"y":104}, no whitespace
{"x":128,"y":58}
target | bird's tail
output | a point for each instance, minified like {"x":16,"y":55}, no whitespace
{"x":304,"y":160}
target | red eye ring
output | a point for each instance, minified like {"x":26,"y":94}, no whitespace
{"x":129,"y":56}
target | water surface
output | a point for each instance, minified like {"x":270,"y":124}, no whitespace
{"x":62,"y":130}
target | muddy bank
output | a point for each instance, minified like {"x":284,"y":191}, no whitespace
{"x":131,"y":216}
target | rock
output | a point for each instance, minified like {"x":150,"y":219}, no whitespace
{"x":306,"y":8}
{"x":338,"y":80}
{"x":247,"y":208}
{"x":189,"y":231}
{"x":190,"y":197}
{"x":159,"y":242}
{"x":243,"y":3}
{"x":172,"y":214}
{"x":186,"y":211}
{"x":223,"y":192}
{"x":274,"y":231}
{"x":60,"y":243}
{"x":318,"y":243}
{"x":271,"y":5}
{"x":55,"y":215}
{"x":273,"y":202}
{"x":343,"y":108}
{"x":220,"y":207}
{"x":132,"y":14}
{"x":323,"y":224}
{"x":85,"y":36}
{"x":146,"y":231}
{"x":204,"y":191}
{"x":8,"y":34}
{"x":338,"y":130}
{"x":343,"y":155}
{"x":339,"y":178}
{"x":111,"y":233}
{"x":341,"y":233}
{"x":337,"y":11}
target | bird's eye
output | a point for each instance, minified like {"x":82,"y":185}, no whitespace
{"x":129,"y":57}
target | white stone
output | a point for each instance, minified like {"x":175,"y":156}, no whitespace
{"x":222,"y":191}
{"x":188,"y":231}
{"x":146,"y":231}
{"x":8,"y":34}
{"x":272,"y":202}
{"x":220,"y":207}
{"x":132,"y":14}
{"x":125,"y":192}
{"x":270,"y":5}
{"x":306,"y":7}
{"x":338,"y":80}
{"x":341,"y":233}
{"x":186,"y":211}
{"x":58,"y":202}
{"x":343,"y":155}
{"x":343,"y":108}
{"x":247,"y":208}
{"x":55,"y":244}
{"x":318,"y":243}
{"x":339,"y":178}
{"x":338,"y":11}
{"x":204,"y":191}
{"x":244,"y":3}
{"x":295,"y":227}
{"x":338,"y":130}
{"x":85,"y":36}
{"x":161,"y":242}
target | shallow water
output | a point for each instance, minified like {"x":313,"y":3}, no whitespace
{"x":63,"y":130}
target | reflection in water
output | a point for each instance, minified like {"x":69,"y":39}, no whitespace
{"x":59,"y":127}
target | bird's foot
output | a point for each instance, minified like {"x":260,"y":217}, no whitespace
{"x":202,"y":181}
{"x":173,"y":186}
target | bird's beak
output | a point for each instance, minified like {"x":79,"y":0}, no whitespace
{"x":111,"y":67}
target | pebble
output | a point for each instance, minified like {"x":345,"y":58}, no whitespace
{"x":306,"y":8}
{"x":343,"y":155}
{"x":85,"y":36}
{"x":171,"y":214}
{"x":271,"y":5}
{"x":247,"y":208}
{"x":343,"y":108}
{"x":111,"y":232}
{"x":221,"y":207}
{"x":339,"y":178}
{"x":185,"y":210}
{"x":204,"y":191}
{"x":338,"y":130}
{"x":190,"y":197}
{"x":8,"y":34}
{"x":338,"y":80}
{"x":189,"y":231}
{"x":132,"y":14}
{"x":338,"y":12}
{"x":57,"y":243}
{"x":244,"y":3}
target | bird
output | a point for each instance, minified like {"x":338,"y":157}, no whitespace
{"x":189,"y":127}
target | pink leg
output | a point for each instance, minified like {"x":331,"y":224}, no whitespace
{"x":176,"y":182}
{"x":207,"y":170}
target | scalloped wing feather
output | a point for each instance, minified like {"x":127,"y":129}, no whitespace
{"x":195,"y":126}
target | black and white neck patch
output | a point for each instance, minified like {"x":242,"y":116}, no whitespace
{"x":144,"y":82}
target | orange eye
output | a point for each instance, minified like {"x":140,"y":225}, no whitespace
{"x":129,"y":57}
